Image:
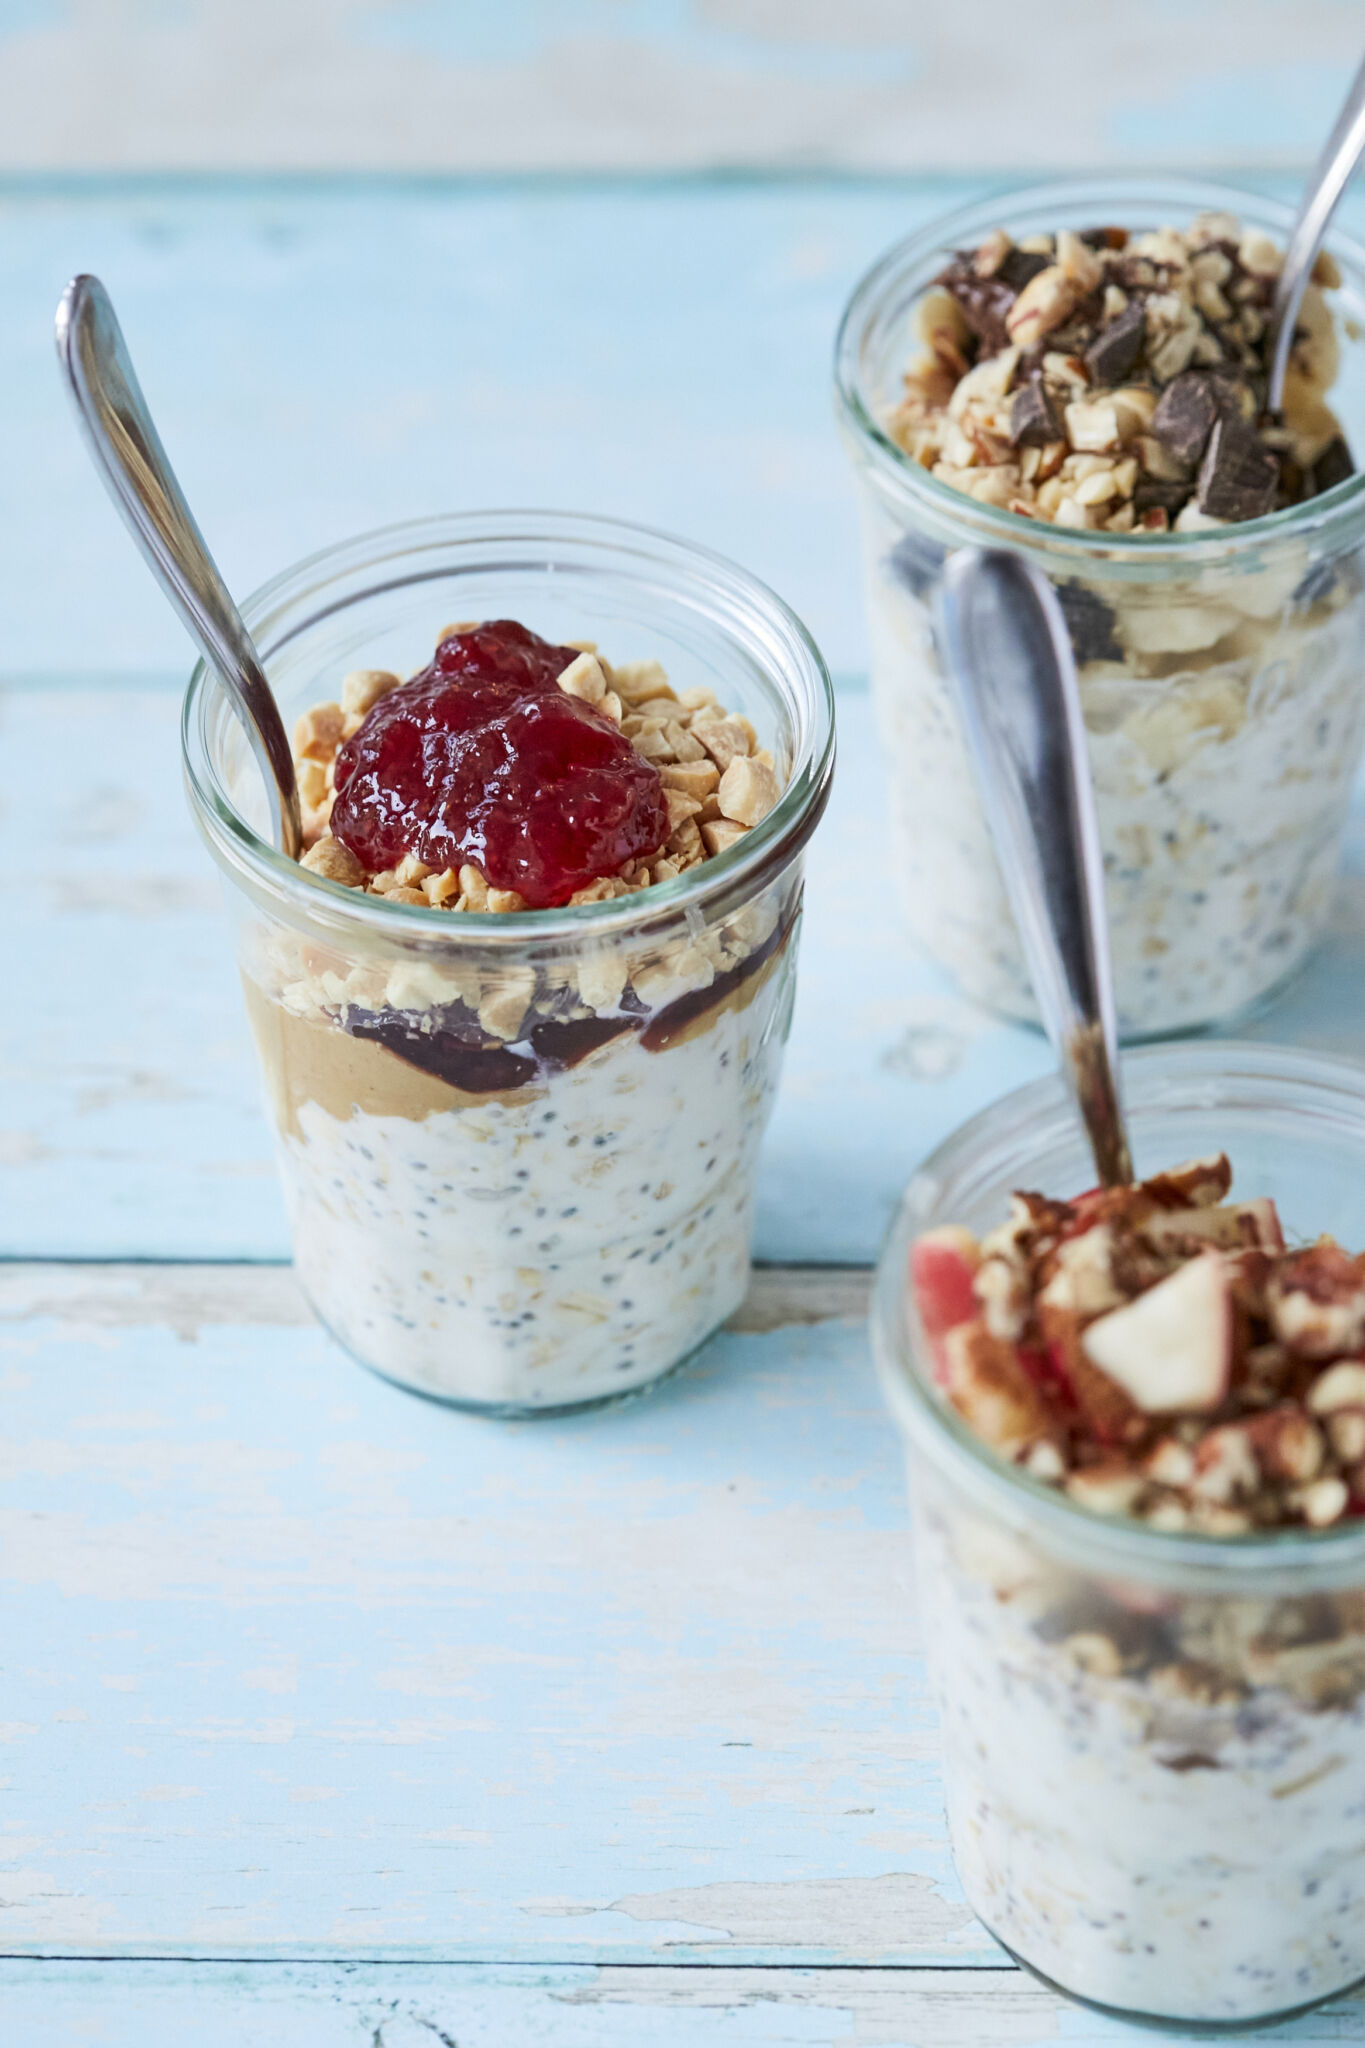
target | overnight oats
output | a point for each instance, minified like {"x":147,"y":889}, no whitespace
{"x":1080,"y":374}
{"x":521,"y":1006}
{"x":1136,"y":1430}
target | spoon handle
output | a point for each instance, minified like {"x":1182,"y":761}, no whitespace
{"x":128,"y":453}
{"x":1331,"y":175}
{"x":1007,"y":647}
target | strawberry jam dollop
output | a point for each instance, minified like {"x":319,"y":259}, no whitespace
{"x":483,"y":758}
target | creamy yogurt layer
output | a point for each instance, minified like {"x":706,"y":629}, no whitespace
{"x":1198,"y":1859}
{"x":560,"y":1243}
{"x":1222,"y":781}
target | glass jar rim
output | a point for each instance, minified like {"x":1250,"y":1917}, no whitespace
{"x":993,"y":524}
{"x":935,"y":1426}
{"x":742,"y":868}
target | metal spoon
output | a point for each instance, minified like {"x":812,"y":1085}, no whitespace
{"x":1010,"y":656}
{"x":1330,"y":178}
{"x":128,"y":452}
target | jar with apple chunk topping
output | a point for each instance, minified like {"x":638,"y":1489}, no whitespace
{"x":521,"y":1006}
{"x":1135,"y":1430}
{"x":1016,"y":377}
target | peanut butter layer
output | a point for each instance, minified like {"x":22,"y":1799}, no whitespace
{"x":308,"y":1060}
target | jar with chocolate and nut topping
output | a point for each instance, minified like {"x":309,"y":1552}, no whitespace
{"x":1078,"y":373}
{"x":1149,"y":1652}
{"x":521,"y":1008}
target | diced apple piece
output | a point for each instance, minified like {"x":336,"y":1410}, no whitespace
{"x":1171,"y":1349}
{"x":942,"y":1266}
{"x":1239,"y":1223}
{"x":1107,"y":1409}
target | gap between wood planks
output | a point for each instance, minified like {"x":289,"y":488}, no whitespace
{"x":188,"y":1297}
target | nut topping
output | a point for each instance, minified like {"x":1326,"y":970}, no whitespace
{"x":1036,"y":357}
{"x":1156,"y":1352}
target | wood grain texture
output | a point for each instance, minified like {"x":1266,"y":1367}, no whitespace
{"x":297,"y":1665}
{"x":441,"y":84}
{"x":72,"y":2005}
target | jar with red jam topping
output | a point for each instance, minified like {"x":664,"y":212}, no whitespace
{"x":520,"y":1009}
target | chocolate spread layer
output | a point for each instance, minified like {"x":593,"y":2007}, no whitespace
{"x":396,"y":1063}
{"x":449,"y":1043}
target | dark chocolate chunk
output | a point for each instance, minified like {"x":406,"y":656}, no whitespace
{"x":1113,"y":353}
{"x":1236,"y":392}
{"x":916,"y":563}
{"x":1021,"y":265}
{"x":1090,"y":622}
{"x":1240,"y":475}
{"x":1034,"y":420}
{"x":1333,"y":466}
{"x":1184,"y":418}
{"x":1153,"y":493}
{"x":564,"y":1041}
{"x":985,"y":301}
{"x":1104,"y":238}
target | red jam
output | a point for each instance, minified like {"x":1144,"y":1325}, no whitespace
{"x":483,"y":758}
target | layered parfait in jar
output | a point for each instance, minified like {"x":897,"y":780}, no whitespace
{"x":1081,"y":375}
{"x":1137,"y":1428}
{"x":521,"y":1005}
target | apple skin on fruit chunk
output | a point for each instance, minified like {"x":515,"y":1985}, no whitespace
{"x":1171,"y":1349}
{"x":943,"y":1265}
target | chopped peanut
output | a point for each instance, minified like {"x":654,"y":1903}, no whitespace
{"x":334,"y":862}
{"x":748,"y":790}
{"x":363,"y":688}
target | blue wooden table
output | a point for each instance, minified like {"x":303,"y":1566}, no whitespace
{"x":327,"y":1716}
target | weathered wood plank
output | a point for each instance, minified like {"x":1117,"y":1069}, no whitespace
{"x":129,"y":1117}
{"x":419,"y":87}
{"x":186,"y":1299}
{"x":308,"y":2005}
{"x":163,"y":2005}
{"x":299,"y":1665}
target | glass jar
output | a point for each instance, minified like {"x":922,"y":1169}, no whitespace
{"x":1153,"y":1744}
{"x":1222,"y":671}
{"x":561,"y":1211}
